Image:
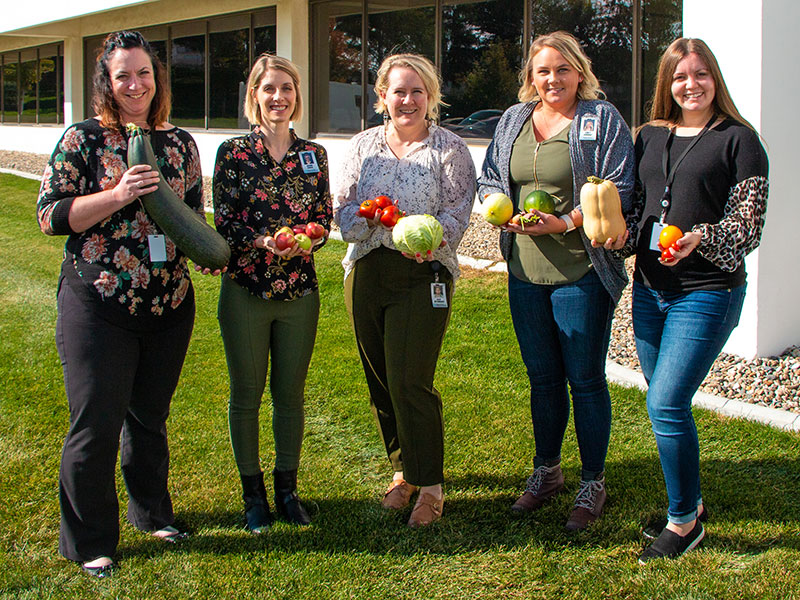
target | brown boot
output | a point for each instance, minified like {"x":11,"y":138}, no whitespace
{"x":588,"y":504}
{"x":545,"y":483}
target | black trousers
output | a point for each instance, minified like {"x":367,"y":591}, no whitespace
{"x":117,"y":381}
{"x":399,"y":335}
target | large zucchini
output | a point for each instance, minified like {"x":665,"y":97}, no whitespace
{"x":188,"y":230}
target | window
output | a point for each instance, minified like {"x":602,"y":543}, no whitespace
{"x":480,"y":47}
{"x":207,"y":61}
{"x":32,"y":85}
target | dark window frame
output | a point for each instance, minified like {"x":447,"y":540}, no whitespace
{"x":17,"y":55}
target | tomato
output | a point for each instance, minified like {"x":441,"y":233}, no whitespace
{"x":367,"y":209}
{"x":383,"y":201}
{"x":666,"y":255}
{"x":669,"y":235}
{"x":391,"y":214}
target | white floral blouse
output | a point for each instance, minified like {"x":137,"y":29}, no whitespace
{"x":436,"y":178}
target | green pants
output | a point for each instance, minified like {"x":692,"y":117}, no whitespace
{"x":253,"y":330}
{"x":399,"y":336}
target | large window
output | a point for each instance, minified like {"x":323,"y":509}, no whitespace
{"x":208,"y":61}
{"x":32,"y":85}
{"x":480,"y":47}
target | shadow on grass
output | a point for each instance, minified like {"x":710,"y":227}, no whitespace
{"x":750,"y":513}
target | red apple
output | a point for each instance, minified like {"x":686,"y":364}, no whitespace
{"x":314,"y":230}
{"x":284,"y":240}
{"x":298,"y":229}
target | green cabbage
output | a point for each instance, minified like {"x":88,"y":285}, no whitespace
{"x":417,"y":233}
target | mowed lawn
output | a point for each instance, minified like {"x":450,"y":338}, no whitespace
{"x":353,"y":549}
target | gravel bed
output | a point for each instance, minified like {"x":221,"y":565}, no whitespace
{"x":772,"y":381}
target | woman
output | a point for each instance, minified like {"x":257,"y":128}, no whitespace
{"x":562,"y":289}
{"x":399,"y":321}
{"x":269,"y":299}
{"x":686,"y":304}
{"x":124,"y":317}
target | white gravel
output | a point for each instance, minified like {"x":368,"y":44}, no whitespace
{"x":771,"y":381}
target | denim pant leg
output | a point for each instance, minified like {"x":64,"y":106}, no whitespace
{"x":563,"y":333}
{"x":678,"y":337}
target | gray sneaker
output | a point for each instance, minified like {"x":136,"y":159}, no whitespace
{"x":543,"y":484}
{"x":588,"y":504}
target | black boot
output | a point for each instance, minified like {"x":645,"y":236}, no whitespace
{"x":256,"y":506}
{"x":287,"y":504}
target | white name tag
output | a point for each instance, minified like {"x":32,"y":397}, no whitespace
{"x":158,"y":248}
{"x":438,"y":295}
{"x":308,"y":160}
{"x":588,"y":128}
{"x":657,"y":228}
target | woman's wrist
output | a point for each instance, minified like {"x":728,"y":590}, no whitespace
{"x":568,"y":222}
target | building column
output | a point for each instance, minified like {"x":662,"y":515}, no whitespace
{"x":293,"y":42}
{"x":73,"y":80}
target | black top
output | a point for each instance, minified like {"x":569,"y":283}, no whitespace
{"x":720,"y":190}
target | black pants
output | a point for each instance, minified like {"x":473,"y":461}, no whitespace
{"x":399,"y":336}
{"x":116,"y":380}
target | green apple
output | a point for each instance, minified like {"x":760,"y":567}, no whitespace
{"x":303,"y":241}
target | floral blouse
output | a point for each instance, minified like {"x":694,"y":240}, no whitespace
{"x":254,"y":195}
{"x":436,"y":178}
{"x":110,"y":260}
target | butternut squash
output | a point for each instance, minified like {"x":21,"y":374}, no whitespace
{"x":602,"y":210}
{"x":188,"y":230}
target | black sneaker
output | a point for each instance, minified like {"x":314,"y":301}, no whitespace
{"x":671,"y":545}
{"x":654,"y":529}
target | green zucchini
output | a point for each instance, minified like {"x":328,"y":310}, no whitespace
{"x":188,"y":230}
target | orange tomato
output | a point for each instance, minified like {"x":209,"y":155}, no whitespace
{"x":669,"y":235}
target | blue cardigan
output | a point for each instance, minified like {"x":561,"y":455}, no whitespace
{"x":610,"y":156}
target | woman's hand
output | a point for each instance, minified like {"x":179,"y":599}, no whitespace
{"x":546,"y":225}
{"x":135,"y":182}
{"x":421,"y":258}
{"x":611,"y":243}
{"x":267,"y":242}
{"x":682,"y":248}
{"x":207,"y":271}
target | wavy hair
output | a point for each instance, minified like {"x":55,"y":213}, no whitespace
{"x":422,"y":67}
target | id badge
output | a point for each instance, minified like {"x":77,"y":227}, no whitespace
{"x":589,"y":126}
{"x":158,"y":248}
{"x":657,"y":228}
{"x":438,"y":295}
{"x":308,"y":160}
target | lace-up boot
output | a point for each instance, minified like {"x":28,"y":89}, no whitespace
{"x":588,"y":504}
{"x":543,"y":484}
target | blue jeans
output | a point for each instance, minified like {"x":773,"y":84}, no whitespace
{"x":563,"y":333}
{"x":678,"y":337}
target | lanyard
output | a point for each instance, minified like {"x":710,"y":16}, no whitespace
{"x":669,"y":173}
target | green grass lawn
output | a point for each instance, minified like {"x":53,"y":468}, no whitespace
{"x":751,"y":473}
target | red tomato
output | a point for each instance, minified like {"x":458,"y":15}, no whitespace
{"x":669,"y":235}
{"x":391,"y":214}
{"x":383,"y":201}
{"x":367,"y":209}
{"x":666,"y":255}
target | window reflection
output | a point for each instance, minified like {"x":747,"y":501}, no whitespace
{"x":230,"y":65}
{"x":28,"y":79}
{"x":188,"y":81}
{"x":10,"y":92}
{"x":48,"y":89}
{"x":661,"y":24}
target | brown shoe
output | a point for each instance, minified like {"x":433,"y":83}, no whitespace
{"x":588,"y":504}
{"x":545,"y":483}
{"x":427,"y":510}
{"x":398,"y":495}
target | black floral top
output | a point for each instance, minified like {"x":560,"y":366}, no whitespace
{"x":108,"y":264}
{"x":253,"y":196}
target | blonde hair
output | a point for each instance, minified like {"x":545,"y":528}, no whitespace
{"x":664,"y":111}
{"x":422,"y":67}
{"x":570,"y":48}
{"x":265,"y":62}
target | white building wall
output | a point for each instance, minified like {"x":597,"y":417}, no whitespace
{"x":757,"y":46}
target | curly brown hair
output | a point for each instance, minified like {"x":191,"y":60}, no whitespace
{"x":103,"y":99}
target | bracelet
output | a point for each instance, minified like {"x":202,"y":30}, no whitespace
{"x":570,"y":223}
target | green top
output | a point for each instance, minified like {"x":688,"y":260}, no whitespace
{"x":546,"y":165}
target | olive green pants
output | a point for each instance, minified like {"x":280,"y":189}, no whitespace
{"x":399,"y":336}
{"x":253,"y":331}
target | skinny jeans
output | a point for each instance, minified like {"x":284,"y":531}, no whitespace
{"x":117,"y":381}
{"x":255,"y":331}
{"x":399,"y":335}
{"x":563,"y":333}
{"x":678,"y":337}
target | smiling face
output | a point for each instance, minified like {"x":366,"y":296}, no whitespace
{"x":276,"y":97}
{"x":555,"y":79}
{"x":406,"y":98}
{"x":133,"y":83}
{"x":693,"y":85}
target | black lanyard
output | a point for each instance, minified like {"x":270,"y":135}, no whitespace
{"x":669,"y":173}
